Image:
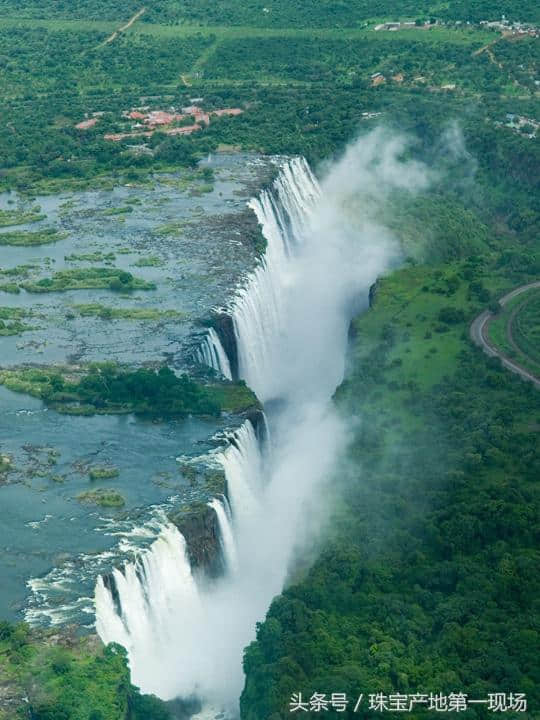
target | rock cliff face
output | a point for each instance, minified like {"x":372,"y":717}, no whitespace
{"x":223,"y":325}
{"x":199,"y":525}
{"x":372,"y":292}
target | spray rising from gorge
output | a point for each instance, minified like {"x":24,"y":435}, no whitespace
{"x":185,"y":635}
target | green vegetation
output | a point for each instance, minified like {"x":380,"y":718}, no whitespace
{"x":109,"y":313}
{"x":104,"y":497}
{"x":20,"y":217}
{"x":68,"y":678}
{"x":108,"y":389}
{"x":234,"y":397}
{"x":11,"y":313}
{"x":437,"y":227}
{"x":97,"y":256}
{"x":279,"y":13}
{"x":12,"y":288}
{"x":118,"y":211}
{"x":426,"y":582}
{"x":30,"y":239}
{"x":13,"y":328}
{"x":149,"y":261}
{"x":100,"y":472}
{"x":19,"y":271}
{"x":514,"y":330}
{"x":304,"y":91}
{"x":526,"y":329}
{"x":89,"y":278}
{"x":172,"y":228}
{"x":14,"y":324}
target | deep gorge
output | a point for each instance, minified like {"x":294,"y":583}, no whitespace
{"x":184,"y":631}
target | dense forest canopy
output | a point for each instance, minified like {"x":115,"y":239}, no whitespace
{"x":276,"y":13}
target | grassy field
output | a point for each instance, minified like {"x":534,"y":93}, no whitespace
{"x":439,"y":34}
{"x":433,"y":320}
{"x":526,"y":328}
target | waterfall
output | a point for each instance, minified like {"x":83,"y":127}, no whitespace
{"x":223,"y":512}
{"x":257,"y":310}
{"x":290,"y":319}
{"x":242,"y":465}
{"x":211,"y":353}
{"x":138,"y":605}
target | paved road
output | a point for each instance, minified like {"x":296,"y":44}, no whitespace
{"x":480,"y":337}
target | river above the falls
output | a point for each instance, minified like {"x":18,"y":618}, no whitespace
{"x":188,"y":233}
{"x":191,"y":234}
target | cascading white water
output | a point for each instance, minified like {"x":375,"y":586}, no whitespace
{"x":211,"y":353}
{"x":151,"y":592}
{"x":258,"y":311}
{"x":324,"y":250}
{"x":149,"y":611}
{"x":228,"y":544}
{"x":241,"y":462}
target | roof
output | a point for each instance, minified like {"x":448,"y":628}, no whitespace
{"x":86,"y":124}
{"x":227,"y":111}
{"x":186,"y":130}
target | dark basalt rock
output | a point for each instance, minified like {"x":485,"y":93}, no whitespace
{"x":258,"y":419}
{"x":110,"y":584}
{"x":372,"y":292}
{"x":223,"y":325}
{"x":199,"y":525}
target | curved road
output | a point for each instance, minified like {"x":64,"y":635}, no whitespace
{"x":478,"y":333}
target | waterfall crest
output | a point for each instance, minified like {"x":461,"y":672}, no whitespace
{"x":211,"y":353}
{"x":137,"y":606}
{"x":257,"y":311}
{"x":290,"y":321}
{"x":228,"y":545}
{"x":242,"y":465}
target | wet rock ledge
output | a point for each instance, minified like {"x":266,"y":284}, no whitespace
{"x":199,"y":525}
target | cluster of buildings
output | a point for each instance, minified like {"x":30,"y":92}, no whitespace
{"x":393,"y":26}
{"x":144,"y":122}
{"x":508,"y":28}
{"x":503,"y":25}
{"x":525,"y":125}
{"x":379,"y":79}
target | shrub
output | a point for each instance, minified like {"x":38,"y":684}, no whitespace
{"x":451,"y":315}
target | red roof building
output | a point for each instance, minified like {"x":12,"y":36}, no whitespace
{"x":186,"y":130}
{"x":202,"y":117}
{"x":86,"y":124}
{"x":227,"y":111}
{"x":116,"y":137}
{"x":159,"y":117}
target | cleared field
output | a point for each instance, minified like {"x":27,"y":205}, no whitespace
{"x":243,"y":31}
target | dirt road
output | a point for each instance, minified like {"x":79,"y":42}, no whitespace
{"x":479,"y":336}
{"x":125,"y":27}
